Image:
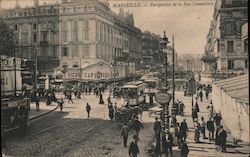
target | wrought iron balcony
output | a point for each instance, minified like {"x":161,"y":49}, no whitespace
{"x":44,"y":43}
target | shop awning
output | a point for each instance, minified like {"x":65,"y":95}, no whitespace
{"x":236,"y":87}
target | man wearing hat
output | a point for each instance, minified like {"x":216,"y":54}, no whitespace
{"x":124,"y":134}
{"x":133,"y":148}
{"x":183,"y":130}
{"x":169,"y":143}
{"x":137,"y":126}
{"x":157,"y":129}
{"x":184,"y":149}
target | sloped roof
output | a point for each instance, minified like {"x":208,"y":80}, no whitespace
{"x":236,"y":87}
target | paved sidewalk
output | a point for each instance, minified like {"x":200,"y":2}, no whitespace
{"x":205,"y":147}
{"x":44,"y":109}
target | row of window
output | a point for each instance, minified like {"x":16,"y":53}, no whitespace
{"x":85,"y":51}
{"x":49,"y":26}
{"x":104,"y":52}
{"x":78,"y":9}
{"x":231,"y":65}
{"x":230,"y":46}
{"x":29,"y":53}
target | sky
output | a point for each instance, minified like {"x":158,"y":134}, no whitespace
{"x":188,"y":23}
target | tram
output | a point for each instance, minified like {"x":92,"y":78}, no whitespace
{"x":133,"y":97}
{"x":152,"y":85}
{"x":14,"y":106}
{"x":133,"y":93}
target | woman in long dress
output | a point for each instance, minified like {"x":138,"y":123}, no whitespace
{"x":196,"y":131}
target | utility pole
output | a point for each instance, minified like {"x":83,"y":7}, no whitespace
{"x":227,"y":66}
{"x":114,"y":73}
{"x":36,"y":68}
{"x":14,"y":60}
{"x":173,"y":69}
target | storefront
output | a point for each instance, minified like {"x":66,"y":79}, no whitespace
{"x":96,"y":72}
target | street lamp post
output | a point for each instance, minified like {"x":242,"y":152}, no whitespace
{"x":36,"y":68}
{"x":173,"y":70}
{"x":227,"y":66}
{"x":113,"y":68}
{"x":165,"y":108}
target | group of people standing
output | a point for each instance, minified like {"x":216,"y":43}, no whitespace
{"x":180,"y":133}
{"x":133,"y":147}
{"x":164,"y":139}
{"x":213,"y":124}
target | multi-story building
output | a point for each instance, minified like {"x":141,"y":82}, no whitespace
{"x":244,"y":37}
{"x":81,"y":35}
{"x":150,"y":49}
{"x":224,"y":51}
{"x":36,"y":33}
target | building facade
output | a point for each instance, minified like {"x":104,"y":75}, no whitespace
{"x":78,"y":34}
{"x":224,"y":51}
{"x":244,"y":37}
{"x":150,"y":49}
{"x":36,"y":33}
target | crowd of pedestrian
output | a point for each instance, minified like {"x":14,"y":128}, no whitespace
{"x":209,"y":127}
{"x":213,"y":123}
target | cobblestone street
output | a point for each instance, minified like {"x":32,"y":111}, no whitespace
{"x":71,"y":133}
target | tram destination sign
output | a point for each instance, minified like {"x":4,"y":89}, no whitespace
{"x":162,"y":98}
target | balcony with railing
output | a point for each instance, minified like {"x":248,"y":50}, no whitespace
{"x":243,"y":55}
{"x":44,"y":43}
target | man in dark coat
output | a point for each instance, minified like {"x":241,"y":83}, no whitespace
{"x":60,"y":104}
{"x":194,"y":114}
{"x":37,"y":99}
{"x":70,"y":97}
{"x":184,"y":149}
{"x":124,"y":134}
{"x":109,"y":99}
{"x":101,"y":99}
{"x":217,"y":119}
{"x":222,"y":139}
{"x":169,"y":143}
{"x":196,"y":107}
{"x":183,"y":130}
{"x":182,"y":106}
{"x":210,"y":128}
{"x":137,"y":126}
{"x":157,"y":129}
{"x":111,"y":111}
{"x":133,"y":148}
{"x":158,"y":149}
{"x":201,"y":95}
{"x":88,"y":108}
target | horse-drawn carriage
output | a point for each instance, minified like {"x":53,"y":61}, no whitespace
{"x":127,"y":115}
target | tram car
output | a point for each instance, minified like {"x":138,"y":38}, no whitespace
{"x":133,"y":93}
{"x":14,"y":107}
{"x":152,"y":85}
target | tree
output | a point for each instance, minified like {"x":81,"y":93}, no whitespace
{"x":7,"y":44}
